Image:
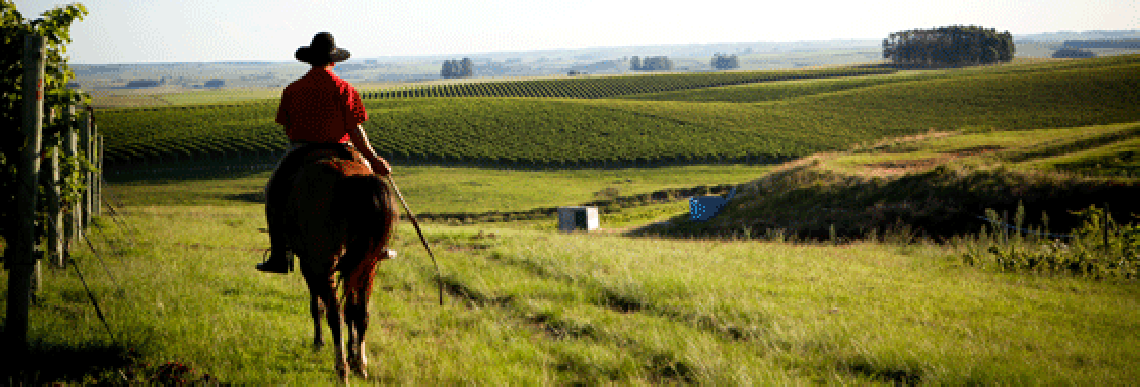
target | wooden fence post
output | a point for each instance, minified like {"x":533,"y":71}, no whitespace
{"x":92,"y":150}
{"x":21,"y":259}
{"x":85,"y":149}
{"x":97,"y":185}
{"x":72,"y":229}
{"x":54,"y":211}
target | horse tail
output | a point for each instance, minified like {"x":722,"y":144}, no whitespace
{"x":366,"y":208}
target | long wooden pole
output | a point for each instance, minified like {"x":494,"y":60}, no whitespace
{"x":54,"y":211}
{"x":74,"y":228}
{"x":412,"y":216}
{"x":98,"y":183}
{"x":22,"y":260}
{"x":86,"y":141}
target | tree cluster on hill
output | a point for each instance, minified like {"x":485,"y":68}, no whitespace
{"x":1104,"y":43}
{"x":144,"y":83}
{"x":457,"y":68}
{"x":1073,"y":53}
{"x":724,"y":62}
{"x":651,"y":63}
{"x":953,"y":45}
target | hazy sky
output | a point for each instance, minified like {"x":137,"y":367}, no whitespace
{"x":126,"y":31}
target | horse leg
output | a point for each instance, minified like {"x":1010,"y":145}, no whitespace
{"x":361,"y":327}
{"x":350,"y":332}
{"x":356,"y":315}
{"x":333,"y":315}
{"x":316,"y":308}
{"x":363,"y":295}
{"x":316,"y":305}
{"x":358,"y":293}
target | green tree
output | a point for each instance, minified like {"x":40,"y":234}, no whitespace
{"x":656,"y":63}
{"x":1006,"y":48}
{"x":952,"y":45}
{"x":466,"y":67}
{"x":724,"y":62}
{"x":55,"y":26}
{"x":457,"y":68}
{"x":448,"y":71}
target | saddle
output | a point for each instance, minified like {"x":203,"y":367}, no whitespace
{"x":347,"y":167}
{"x":345,"y":160}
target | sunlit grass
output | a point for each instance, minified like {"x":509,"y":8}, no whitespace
{"x":457,"y":189}
{"x":543,"y":307}
{"x":763,"y":92}
{"x":528,"y":305}
{"x":220,"y":96}
{"x":1097,"y":150}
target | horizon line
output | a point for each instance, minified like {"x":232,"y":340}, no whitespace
{"x":488,"y":53}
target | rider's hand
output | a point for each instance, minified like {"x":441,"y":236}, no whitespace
{"x":381,"y":167}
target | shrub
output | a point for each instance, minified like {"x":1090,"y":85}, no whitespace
{"x":1100,"y":247}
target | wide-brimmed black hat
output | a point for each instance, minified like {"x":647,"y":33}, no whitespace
{"x":321,"y":50}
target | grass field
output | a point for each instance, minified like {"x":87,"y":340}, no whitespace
{"x":755,"y":122}
{"x":536,"y":306}
{"x":937,"y":185}
{"x":591,"y":87}
{"x":526,"y":307}
{"x":173,"y":269}
{"x":168,"y":96}
{"x":456,"y":189}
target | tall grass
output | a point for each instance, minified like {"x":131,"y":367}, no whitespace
{"x":529,"y":306}
{"x":936,"y":186}
{"x":533,"y":307}
{"x":1100,"y":248}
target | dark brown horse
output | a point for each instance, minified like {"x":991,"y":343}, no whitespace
{"x":342,"y":217}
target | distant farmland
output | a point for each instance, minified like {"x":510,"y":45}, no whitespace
{"x":694,"y":123}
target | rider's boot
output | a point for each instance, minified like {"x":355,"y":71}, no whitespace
{"x":280,"y":259}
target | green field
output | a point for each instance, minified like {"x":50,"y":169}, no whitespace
{"x":744,"y":299}
{"x":938,"y":185}
{"x":168,"y":96}
{"x":531,"y":307}
{"x":220,"y":96}
{"x":614,"y":86}
{"x":454,"y":189}
{"x":747,"y":123}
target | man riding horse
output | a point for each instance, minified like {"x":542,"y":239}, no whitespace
{"x":320,"y":111}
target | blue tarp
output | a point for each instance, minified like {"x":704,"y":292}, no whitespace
{"x":702,"y":208}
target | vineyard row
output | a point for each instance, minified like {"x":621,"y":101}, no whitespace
{"x":607,"y":87}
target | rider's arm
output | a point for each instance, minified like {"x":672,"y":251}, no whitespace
{"x":360,"y":141}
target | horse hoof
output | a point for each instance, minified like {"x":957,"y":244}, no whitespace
{"x":342,"y":373}
{"x":359,"y":368}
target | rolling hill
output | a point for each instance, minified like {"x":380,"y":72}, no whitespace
{"x":756,"y":122}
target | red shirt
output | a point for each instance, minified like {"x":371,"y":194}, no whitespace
{"x":320,"y":107}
